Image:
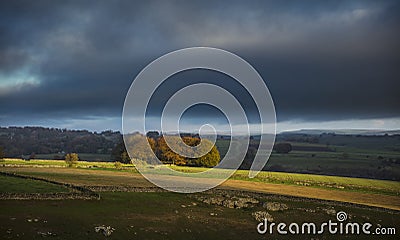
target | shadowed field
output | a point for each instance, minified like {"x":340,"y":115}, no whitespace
{"x":18,"y":185}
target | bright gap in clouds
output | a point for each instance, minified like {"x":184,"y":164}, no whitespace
{"x":17,"y":82}
{"x":114,"y":123}
{"x":372,"y":124}
{"x":364,"y":124}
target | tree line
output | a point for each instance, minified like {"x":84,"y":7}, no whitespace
{"x":18,"y":141}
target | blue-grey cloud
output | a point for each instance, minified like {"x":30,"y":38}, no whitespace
{"x":322,"y":60}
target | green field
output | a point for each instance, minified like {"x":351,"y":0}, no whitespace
{"x":18,"y":185}
{"x":346,"y":156}
{"x":92,"y":157}
{"x":59,"y":163}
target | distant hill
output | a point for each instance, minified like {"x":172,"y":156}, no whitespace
{"x":365,"y":132}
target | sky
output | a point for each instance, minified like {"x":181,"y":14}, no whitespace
{"x":327,"y":64}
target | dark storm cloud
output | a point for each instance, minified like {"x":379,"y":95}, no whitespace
{"x":322,"y":60}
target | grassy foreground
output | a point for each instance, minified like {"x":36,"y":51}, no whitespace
{"x":156,"y":216}
{"x":165,"y":215}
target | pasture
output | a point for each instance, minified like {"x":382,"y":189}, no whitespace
{"x":345,"y":156}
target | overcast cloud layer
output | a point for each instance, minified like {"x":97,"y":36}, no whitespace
{"x":63,"y":63}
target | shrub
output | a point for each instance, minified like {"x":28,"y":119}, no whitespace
{"x":118,"y":165}
{"x":71,"y":159}
{"x":211,"y":159}
{"x":283,"y":147}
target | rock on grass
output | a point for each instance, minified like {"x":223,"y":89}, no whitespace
{"x":261,"y":215}
{"x":275,"y":206}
